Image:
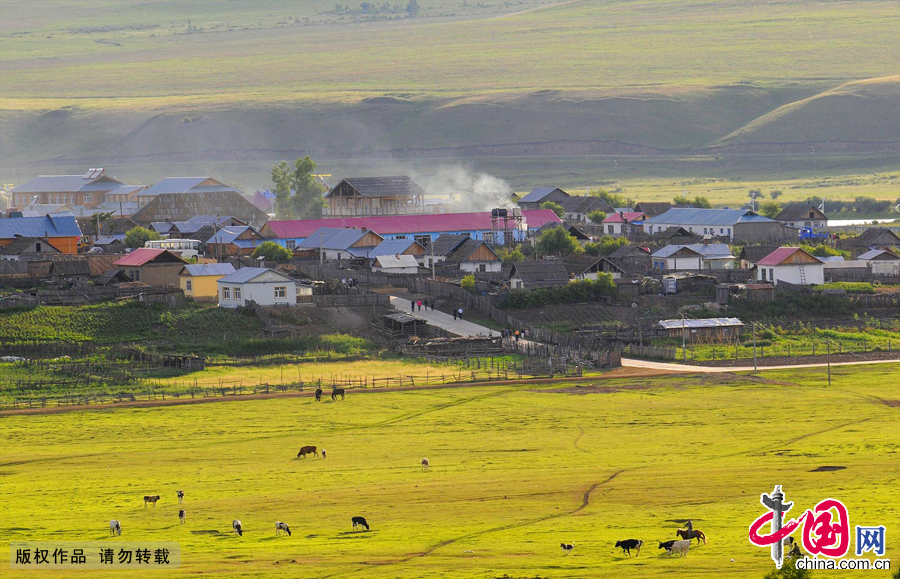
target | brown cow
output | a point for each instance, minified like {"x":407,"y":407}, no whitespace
{"x":150,"y":499}
{"x":307,"y":450}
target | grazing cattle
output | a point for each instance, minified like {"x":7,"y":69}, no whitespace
{"x":324,"y":454}
{"x":629,"y":544}
{"x":318,"y":394}
{"x":115,"y":528}
{"x":150,"y":499}
{"x":360,"y":522}
{"x":688,"y":535}
{"x":180,"y":495}
{"x":236,"y":525}
{"x":667,"y":545}
{"x":181,"y":515}
{"x":567,"y":547}
{"x":337,"y":392}
{"x":307,"y":450}
{"x":279,"y":527}
{"x":680,"y":547}
{"x":425,"y":464}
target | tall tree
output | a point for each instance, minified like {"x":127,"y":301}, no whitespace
{"x":770,"y":209}
{"x":297,"y":193}
{"x":138,"y":236}
{"x":557,"y":241}
{"x":554,"y":207}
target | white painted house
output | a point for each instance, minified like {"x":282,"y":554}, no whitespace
{"x":791,"y":265}
{"x":694,"y":257}
{"x":262,"y":285}
{"x":397,"y":263}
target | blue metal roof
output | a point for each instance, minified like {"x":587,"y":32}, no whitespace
{"x":246,"y":274}
{"x":228,"y":234}
{"x":391,"y":246}
{"x":67,"y":184}
{"x":55,"y":225}
{"x":198,"y":269}
{"x":184,"y":185}
{"x":709,"y":251}
{"x":691,"y":216}
{"x":537,"y":194}
{"x":332,"y":238}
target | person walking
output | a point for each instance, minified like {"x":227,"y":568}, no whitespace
{"x":419,"y":303}
{"x":454,"y":314}
{"x":517,"y":336}
{"x":412,"y":306}
{"x":460,"y":313}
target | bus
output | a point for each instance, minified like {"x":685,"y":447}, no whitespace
{"x":186,"y":248}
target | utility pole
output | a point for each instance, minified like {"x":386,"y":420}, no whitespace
{"x":431,"y":245}
{"x":754,"y":346}
{"x":683,"y":349}
{"x":829,"y":364}
{"x":321,"y":252}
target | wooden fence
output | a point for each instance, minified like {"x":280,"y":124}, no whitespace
{"x":652,"y":352}
{"x":353,"y":300}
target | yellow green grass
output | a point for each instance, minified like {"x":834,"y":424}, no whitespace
{"x":515,"y":471}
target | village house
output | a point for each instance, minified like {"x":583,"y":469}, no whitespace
{"x":695,"y":257}
{"x":361,"y":196}
{"x":538,"y":274}
{"x":60,"y":231}
{"x":882,"y":262}
{"x":873,"y":238}
{"x":623,"y":223}
{"x":331,"y":243}
{"x":441,"y":247}
{"x":110,"y":244}
{"x":151,"y":266}
{"x":800,"y":215}
{"x":27,"y":247}
{"x":87,"y":190}
{"x":227,"y":241}
{"x":264,"y":286}
{"x":396,"y":263}
{"x":581,"y":267}
{"x":703,"y":330}
{"x":631,"y":258}
{"x":200,"y":280}
{"x":399,"y":247}
{"x":420,"y":228}
{"x":751,"y":254}
{"x":653,"y":208}
{"x":473,"y":256}
{"x":180,"y":199}
{"x":577,"y":208}
{"x":538,"y":195}
{"x":738,"y":225}
{"x":792,"y":265}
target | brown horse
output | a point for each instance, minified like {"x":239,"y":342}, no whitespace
{"x":307,"y":450}
{"x":688,"y":535}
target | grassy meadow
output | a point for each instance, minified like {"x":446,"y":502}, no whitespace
{"x":516,"y":470}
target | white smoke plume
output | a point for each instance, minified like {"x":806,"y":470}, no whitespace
{"x":465,"y":189}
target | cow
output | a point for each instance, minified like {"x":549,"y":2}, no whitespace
{"x":567,"y":547}
{"x":425,"y":464}
{"x":181,"y":515}
{"x":359,"y":522}
{"x":150,"y":499}
{"x":680,"y":547}
{"x":667,"y":545}
{"x":115,"y":528}
{"x":180,"y":495}
{"x":236,"y":525}
{"x":307,"y":450}
{"x":318,"y":394}
{"x":324,"y":454}
{"x":628,"y":544}
{"x":279,"y":527}
{"x":337,"y":392}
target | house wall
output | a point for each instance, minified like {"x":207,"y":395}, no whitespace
{"x":555,"y":196}
{"x":685,"y":263}
{"x":262,"y":293}
{"x":155,"y":273}
{"x":766,"y":231}
{"x":815,"y":224}
{"x":475,"y":266}
{"x":814,"y":274}
{"x":63,"y":244}
{"x":203,"y":287}
{"x":708,"y":229}
{"x":398,"y":270}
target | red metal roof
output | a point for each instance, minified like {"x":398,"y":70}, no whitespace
{"x":777,"y":256}
{"x":139,"y":256}
{"x":406,"y":224}
{"x":629,"y":216}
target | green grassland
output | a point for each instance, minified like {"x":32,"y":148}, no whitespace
{"x":515,"y":471}
{"x":536,"y":91}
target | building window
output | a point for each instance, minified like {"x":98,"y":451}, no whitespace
{"x":772,"y":274}
{"x":37,"y":247}
{"x":290,"y":244}
{"x":763,"y":273}
{"x":134,"y":274}
{"x":226,"y":293}
{"x":609,"y":229}
{"x":280,"y":291}
{"x":237,"y":293}
{"x":423,"y":239}
{"x":188,"y":285}
{"x":399,"y":237}
{"x":482,"y":267}
{"x":88,"y":197}
{"x":721,"y":230}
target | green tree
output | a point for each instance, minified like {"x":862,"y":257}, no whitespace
{"x":511,"y":256}
{"x":702,"y":202}
{"x":557,"y":241}
{"x":297,"y":193}
{"x":770,"y":209}
{"x":596,"y":216}
{"x":138,"y":236}
{"x":614,"y":199}
{"x":468,"y":283}
{"x":775,"y":193}
{"x":604,"y":246}
{"x":272,"y":252}
{"x":555,"y":207}
{"x":412,"y":8}
{"x":697,"y":202}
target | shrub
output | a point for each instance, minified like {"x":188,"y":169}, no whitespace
{"x":557,"y":241}
{"x":847,"y":286}
{"x":468,"y":283}
{"x":272,"y":252}
{"x":574,"y":292}
{"x":555,"y":207}
{"x":596,"y":216}
{"x":138,"y":236}
{"x":604,"y":246}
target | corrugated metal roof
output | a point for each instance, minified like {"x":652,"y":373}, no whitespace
{"x":181,"y":207}
{"x":227,"y":234}
{"x":397,"y":261}
{"x":630,"y":216}
{"x":400,"y":186}
{"x":797,"y":212}
{"x":537,"y":194}
{"x":201,"y":269}
{"x":692,"y":216}
{"x":65,"y":184}
{"x":390,"y":247}
{"x":55,"y":225}
{"x":406,"y":224}
{"x":140,"y":256}
{"x":247,"y":274}
{"x":778,"y":256}
{"x":705,"y":323}
{"x":185,"y":185}
{"x":332,"y":238}
{"x":873,"y":253}
{"x":708,"y":251}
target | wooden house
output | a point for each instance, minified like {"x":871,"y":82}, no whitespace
{"x":708,"y":329}
{"x":227,"y":241}
{"x":624,"y":223}
{"x":399,"y":247}
{"x":577,"y":208}
{"x":200,"y":280}
{"x":87,"y":190}
{"x":60,"y":231}
{"x":871,"y":238}
{"x":360,"y":196}
{"x":632,"y":258}
{"x":152,"y":266}
{"x":651,"y":209}
{"x":173,"y":207}
{"x":792,"y":265}
{"x":751,"y":254}
{"x":474,"y":256}
{"x":538,"y":274}
{"x":30,"y":247}
{"x":266,"y":287}
{"x":539,"y":195}
{"x":803,"y":215}
{"x":333,"y":243}
{"x":399,"y":264}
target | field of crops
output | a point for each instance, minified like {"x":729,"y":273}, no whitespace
{"x":514,"y":472}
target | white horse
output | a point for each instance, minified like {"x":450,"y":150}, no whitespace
{"x":424,"y":462}
{"x":236,"y":525}
{"x":115,"y":528}
{"x":279,"y":527}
